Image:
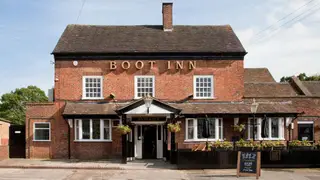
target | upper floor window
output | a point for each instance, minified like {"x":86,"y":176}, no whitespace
{"x":194,"y":129}
{"x":41,"y":131}
{"x":203,"y":87}
{"x":266,"y":129}
{"x":92,"y":87}
{"x":144,"y":85}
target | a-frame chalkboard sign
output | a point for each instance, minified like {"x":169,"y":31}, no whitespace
{"x":249,"y":164}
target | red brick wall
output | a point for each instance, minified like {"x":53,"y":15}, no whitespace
{"x":58,"y":146}
{"x":169,"y":84}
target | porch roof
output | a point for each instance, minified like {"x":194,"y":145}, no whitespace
{"x":114,"y":109}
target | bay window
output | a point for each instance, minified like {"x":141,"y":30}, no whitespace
{"x":93,"y":130}
{"x":194,"y":129}
{"x":266,"y":129}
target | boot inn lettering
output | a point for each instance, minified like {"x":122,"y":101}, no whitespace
{"x":140,"y":64}
{"x":151,"y":75}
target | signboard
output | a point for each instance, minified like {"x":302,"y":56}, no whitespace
{"x":249,"y":164}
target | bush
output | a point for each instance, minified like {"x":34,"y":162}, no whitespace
{"x":296,"y":143}
{"x":251,"y":144}
{"x":222,"y":145}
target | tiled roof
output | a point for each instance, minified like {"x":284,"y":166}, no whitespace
{"x":187,"y":108}
{"x":313,"y":87}
{"x":269,"y":90}
{"x":148,"y":39}
{"x":257,"y":75}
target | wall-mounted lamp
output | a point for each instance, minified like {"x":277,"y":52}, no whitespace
{"x":148,"y":101}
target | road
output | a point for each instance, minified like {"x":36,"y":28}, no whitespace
{"x":151,"y":174}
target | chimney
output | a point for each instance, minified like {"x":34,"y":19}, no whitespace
{"x":167,"y":16}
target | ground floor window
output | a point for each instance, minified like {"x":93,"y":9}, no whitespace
{"x":266,"y":128}
{"x":194,"y":129}
{"x":305,"y":130}
{"x":93,"y":129}
{"x":41,"y":131}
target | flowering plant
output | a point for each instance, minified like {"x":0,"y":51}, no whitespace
{"x":222,"y":145}
{"x":239,"y":127}
{"x":300,"y":143}
{"x":124,"y":129}
{"x":251,"y":144}
{"x":269,"y":144}
{"x":174,"y":127}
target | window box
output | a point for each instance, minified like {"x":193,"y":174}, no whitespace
{"x":301,"y":148}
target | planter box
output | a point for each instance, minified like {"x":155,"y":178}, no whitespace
{"x":246,"y":149}
{"x":303,"y":148}
{"x":277,"y":148}
{"x":221,"y":149}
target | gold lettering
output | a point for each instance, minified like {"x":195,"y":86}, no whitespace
{"x":113,"y":65}
{"x":179,"y":65}
{"x":123,"y":65}
{"x":192,"y":65}
{"x":151,"y":64}
{"x":169,"y":65}
{"x":139,"y":64}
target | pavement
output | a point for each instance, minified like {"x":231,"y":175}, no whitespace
{"x":26,"y":169}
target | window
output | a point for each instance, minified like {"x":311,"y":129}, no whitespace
{"x":92,"y":87}
{"x":267,"y":128}
{"x":92,"y":130}
{"x":203,"y":87}
{"x":305,"y":130}
{"x":144,"y":85}
{"x":41,"y":131}
{"x":194,"y":129}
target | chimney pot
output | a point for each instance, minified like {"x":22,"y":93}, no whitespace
{"x":167,"y":16}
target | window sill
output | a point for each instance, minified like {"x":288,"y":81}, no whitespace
{"x":204,"y":98}
{"x":92,"y":141}
{"x":200,"y":140}
{"x":98,"y":98}
{"x":41,"y":140}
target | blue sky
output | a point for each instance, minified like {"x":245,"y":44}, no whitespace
{"x":30,"y":29}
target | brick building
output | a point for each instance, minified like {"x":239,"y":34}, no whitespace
{"x":4,"y":138}
{"x":104,"y":76}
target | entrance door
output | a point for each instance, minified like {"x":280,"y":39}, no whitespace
{"x":149,"y":144}
{"x":17,"y":142}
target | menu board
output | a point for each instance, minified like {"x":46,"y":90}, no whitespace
{"x":248,"y":163}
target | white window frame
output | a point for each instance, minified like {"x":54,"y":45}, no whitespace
{"x":136,"y":85}
{"x":259,"y":126}
{"x":91,"y":131}
{"x":34,"y":131}
{"x":194,"y":86}
{"x":84,"y":87}
{"x":195,"y":130}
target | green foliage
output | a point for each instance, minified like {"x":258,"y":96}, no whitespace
{"x":270,"y":144}
{"x":302,"y":77}
{"x":300,"y":143}
{"x":124,"y":129}
{"x":174,"y":127}
{"x":222,"y":145}
{"x":251,"y":143}
{"x":13,"y":104}
{"x":239,"y":127}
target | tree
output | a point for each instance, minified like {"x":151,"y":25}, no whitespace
{"x":302,"y":77}
{"x":13,"y":104}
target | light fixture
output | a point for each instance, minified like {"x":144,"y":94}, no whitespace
{"x":147,"y":102}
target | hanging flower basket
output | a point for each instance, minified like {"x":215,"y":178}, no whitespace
{"x":123,"y":129}
{"x":239,"y":128}
{"x":174,"y":127}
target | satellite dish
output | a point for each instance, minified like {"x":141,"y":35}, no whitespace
{"x":75,"y":63}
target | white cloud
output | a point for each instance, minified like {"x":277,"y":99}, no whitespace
{"x":292,"y":49}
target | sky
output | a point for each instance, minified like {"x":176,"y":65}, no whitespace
{"x":281,"y":35}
